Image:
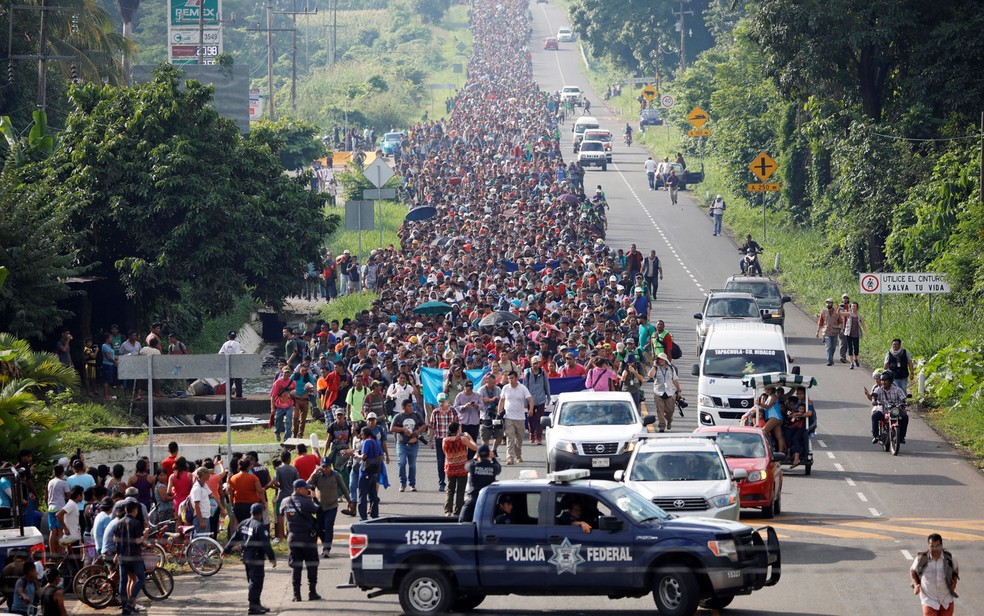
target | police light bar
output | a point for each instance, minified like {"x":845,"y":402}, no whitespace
{"x":569,"y":475}
{"x":528,"y":474}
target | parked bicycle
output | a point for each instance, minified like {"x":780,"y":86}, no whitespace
{"x":203,"y":554}
{"x":102,"y":589}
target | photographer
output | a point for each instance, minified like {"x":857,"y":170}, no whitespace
{"x":492,"y":419}
{"x":408,"y":426}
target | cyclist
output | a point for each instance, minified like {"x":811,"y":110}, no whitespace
{"x":884,"y":395}
{"x":628,"y":134}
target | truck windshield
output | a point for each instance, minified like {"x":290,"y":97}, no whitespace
{"x":678,"y":466}
{"x":741,"y":445}
{"x":597,"y":413}
{"x":732,"y":308}
{"x":761,"y":290}
{"x":736,"y":363}
{"x":635,"y":506}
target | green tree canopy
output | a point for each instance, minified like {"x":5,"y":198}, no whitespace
{"x":294,"y":142}
{"x":159,"y":193}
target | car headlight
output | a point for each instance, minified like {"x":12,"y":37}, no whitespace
{"x":627,"y":447}
{"x":756,"y":476}
{"x":705,"y":400}
{"x":567,"y":446}
{"x":724,"y":500}
{"x":724,"y":548}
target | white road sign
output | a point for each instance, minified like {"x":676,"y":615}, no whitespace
{"x":667,"y":101}
{"x":378,"y":172}
{"x":189,"y":36}
{"x":875,"y":283}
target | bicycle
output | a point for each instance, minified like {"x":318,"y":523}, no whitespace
{"x":203,"y":554}
{"x":100,"y":590}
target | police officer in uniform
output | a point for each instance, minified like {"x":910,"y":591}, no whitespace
{"x":254,"y":538}
{"x":482,"y":471}
{"x":302,"y":538}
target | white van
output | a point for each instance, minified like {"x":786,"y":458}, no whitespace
{"x":582,"y":124}
{"x":732,"y":350}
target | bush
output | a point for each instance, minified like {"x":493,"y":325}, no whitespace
{"x":79,"y":418}
{"x":348,"y":306}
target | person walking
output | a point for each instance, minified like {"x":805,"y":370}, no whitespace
{"x":535,"y":379}
{"x":652,"y":273}
{"x":370,"y":458}
{"x":482,"y":472}
{"x":468,"y":404}
{"x":232,"y":347}
{"x":844,"y":309}
{"x":516,"y":403}
{"x":673,"y":184}
{"x":456,"y":446}
{"x":854,"y":326}
{"x":717,"y":213}
{"x":328,"y":485}
{"x":51,"y":599}
{"x":650,"y":166}
{"x":934,"y":576}
{"x":282,"y":406}
{"x":284,"y":477}
{"x":666,"y":389}
{"x":244,"y":490}
{"x":128,"y":536}
{"x":302,"y":538}
{"x":304,"y":385}
{"x":441,"y":417}
{"x":899,"y":361}
{"x":253,"y":538}
{"x":829,"y":324}
{"x":408,"y":425}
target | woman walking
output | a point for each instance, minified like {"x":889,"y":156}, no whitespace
{"x":854,"y":326}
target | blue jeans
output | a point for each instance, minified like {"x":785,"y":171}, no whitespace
{"x":281,"y":424}
{"x":717,"y":223}
{"x":369,"y":495}
{"x":830,"y":343}
{"x":652,"y":179}
{"x":441,"y":482}
{"x":133,"y":567}
{"x":354,"y":480}
{"x":328,"y":526}
{"x":407,"y":457}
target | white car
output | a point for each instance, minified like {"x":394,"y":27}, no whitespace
{"x":593,"y":154}
{"x":565,"y":35}
{"x":594,"y":431}
{"x":571,"y":93}
{"x":685,"y":476}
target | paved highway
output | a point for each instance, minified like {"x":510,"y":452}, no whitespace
{"x":848,"y":531}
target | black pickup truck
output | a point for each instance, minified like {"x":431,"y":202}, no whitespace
{"x":563,"y":535}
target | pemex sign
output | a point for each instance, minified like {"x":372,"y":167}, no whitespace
{"x":186,"y":12}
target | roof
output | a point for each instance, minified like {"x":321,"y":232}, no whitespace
{"x":778,"y":378}
{"x":743,"y":278}
{"x":676,"y":443}
{"x":750,"y":334}
{"x":594,"y":395}
{"x":721,"y":294}
{"x":733,"y":428}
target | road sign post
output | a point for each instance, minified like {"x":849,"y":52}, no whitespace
{"x":378,"y":173}
{"x":650,"y":93}
{"x":763,"y":167}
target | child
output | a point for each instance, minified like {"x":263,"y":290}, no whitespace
{"x":91,"y":353}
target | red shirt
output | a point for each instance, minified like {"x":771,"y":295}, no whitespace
{"x":167,"y":464}
{"x":305,"y":465}
{"x":455,"y":456}
{"x":575,"y":370}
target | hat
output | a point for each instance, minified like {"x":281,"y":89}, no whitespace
{"x":339,"y":411}
{"x":483,"y":450}
{"x":468,"y":383}
{"x":256,"y":509}
{"x":613,"y":279}
{"x":845,"y":296}
{"x":300,"y":483}
{"x":441,"y":397}
{"x":325,"y":461}
{"x":63,"y":462}
{"x":638,"y":289}
{"x":232,"y":333}
{"x":663,"y":357}
{"x":829,"y":300}
{"x":419,"y":325}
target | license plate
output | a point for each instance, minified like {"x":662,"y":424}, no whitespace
{"x":601,"y":462}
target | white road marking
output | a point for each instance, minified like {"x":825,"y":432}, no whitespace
{"x":822,"y":444}
{"x":849,"y":481}
{"x":839,"y":467}
{"x":906,"y":555}
{"x":831,"y":455}
{"x":864,"y":499}
{"x":874,"y":512}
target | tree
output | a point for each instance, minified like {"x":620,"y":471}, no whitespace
{"x":159,"y":193}
{"x":430,"y":11}
{"x":294,"y":142}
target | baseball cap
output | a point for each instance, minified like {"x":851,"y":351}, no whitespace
{"x":256,"y":508}
{"x":300,"y":483}
{"x":232,"y":333}
{"x":371,"y":416}
{"x":325,"y":461}
{"x":483,"y":450}
{"x":441,"y":397}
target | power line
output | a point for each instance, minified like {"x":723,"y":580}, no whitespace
{"x":913,"y":139}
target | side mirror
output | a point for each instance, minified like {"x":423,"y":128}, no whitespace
{"x":786,"y":299}
{"x":796,"y":370}
{"x":908,"y":396}
{"x":698,"y":316}
{"x":609,"y":523}
{"x":619,"y":475}
{"x":739,"y":473}
{"x":695,"y":369}
{"x":648,"y":420}
{"x":779,"y":456}
{"x":546,"y":422}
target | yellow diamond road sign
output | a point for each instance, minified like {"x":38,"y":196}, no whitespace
{"x":698,"y":117}
{"x":763,"y":166}
{"x":650,"y":93}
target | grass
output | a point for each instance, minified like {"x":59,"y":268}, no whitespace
{"x":80,"y":417}
{"x":452,"y":32}
{"x":258,"y":435}
{"x":963,"y":426}
{"x":347,"y":306}
{"x":342,"y":240}
{"x":215,"y":331}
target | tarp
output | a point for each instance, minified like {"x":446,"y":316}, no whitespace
{"x":433,"y":383}
{"x":778,"y":379}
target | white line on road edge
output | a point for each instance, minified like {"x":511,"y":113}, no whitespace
{"x":822,"y":444}
{"x":864,"y":499}
{"x":906,"y":555}
{"x":838,"y":467}
{"x":831,"y":455}
{"x":874,"y":512}
{"x":849,"y":481}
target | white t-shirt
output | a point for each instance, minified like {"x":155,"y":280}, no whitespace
{"x":200,"y":494}
{"x":73,"y":532}
{"x":650,"y":165}
{"x":57,"y":493}
{"x":515,"y":404}
{"x":399,"y":394}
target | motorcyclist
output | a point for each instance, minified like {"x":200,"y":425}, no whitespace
{"x":628,"y":134}
{"x":884,"y":395}
{"x":750,"y":248}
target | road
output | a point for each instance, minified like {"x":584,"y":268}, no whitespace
{"x":848,"y":531}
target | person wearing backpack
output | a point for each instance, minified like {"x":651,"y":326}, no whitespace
{"x":662,"y":342}
{"x":934,"y":576}
{"x":898,"y":360}
{"x":666,"y":389}
{"x":370,"y":456}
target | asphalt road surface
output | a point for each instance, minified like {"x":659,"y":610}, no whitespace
{"x":848,"y":532}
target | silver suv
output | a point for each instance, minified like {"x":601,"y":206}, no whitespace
{"x":725,"y":306}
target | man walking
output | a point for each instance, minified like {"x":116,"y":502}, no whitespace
{"x":650,"y":165}
{"x":468,"y":404}
{"x":128,"y":536}
{"x":717,"y":213}
{"x":370,"y":459}
{"x":535,"y":379}
{"x":254,"y":539}
{"x":666,"y":388}
{"x":441,"y":417}
{"x":672,"y":184}
{"x":829,"y":324}
{"x":232,"y":347}
{"x":934,"y":578}
{"x":899,"y":362}
{"x":328,"y":485}
{"x":516,"y":403}
{"x":302,"y":538}
{"x":407,"y":425}
{"x":652,"y":273}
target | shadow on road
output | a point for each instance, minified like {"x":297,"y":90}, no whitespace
{"x":801,"y":553}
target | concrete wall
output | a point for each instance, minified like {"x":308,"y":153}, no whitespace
{"x":127,"y":456}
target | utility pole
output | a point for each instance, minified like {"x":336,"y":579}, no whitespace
{"x":42,"y":56}
{"x":982,"y":158}
{"x":293,"y":55}
{"x":270,"y":58}
{"x":681,"y":25}
{"x":334,"y":31}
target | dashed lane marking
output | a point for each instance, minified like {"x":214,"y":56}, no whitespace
{"x":822,"y":443}
{"x":839,"y":467}
{"x":906,"y":555}
{"x":849,"y":481}
{"x":874,"y":512}
{"x":888,"y":529}
{"x":864,"y":499}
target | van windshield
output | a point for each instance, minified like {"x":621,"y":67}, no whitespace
{"x":580,"y":128}
{"x":736,"y":363}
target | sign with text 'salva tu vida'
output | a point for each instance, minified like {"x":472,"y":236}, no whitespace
{"x":902,"y":283}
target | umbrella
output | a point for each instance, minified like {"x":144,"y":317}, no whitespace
{"x":441,"y":242}
{"x":497,"y":318}
{"x":422,"y":212}
{"x":568,"y":198}
{"x":432,"y":309}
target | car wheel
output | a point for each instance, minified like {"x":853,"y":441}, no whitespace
{"x":716,"y":603}
{"x":675,"y":592}
{"x":604,"y":167}
{"x":769,"y":511}
{"x":426,"y":591}
{"x":777,"y":506}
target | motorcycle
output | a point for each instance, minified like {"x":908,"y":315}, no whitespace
{"x":749,"y":264}
{"x":628,"y":139}
{"x":888,"y":429}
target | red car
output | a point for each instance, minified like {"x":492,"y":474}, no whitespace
{"x":550,"y":43}
{"x":749,"y":448}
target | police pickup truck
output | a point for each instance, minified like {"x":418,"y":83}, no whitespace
{"x":564,"y":535}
